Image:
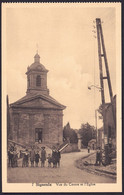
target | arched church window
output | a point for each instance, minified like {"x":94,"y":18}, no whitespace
{"x":38,"y":80}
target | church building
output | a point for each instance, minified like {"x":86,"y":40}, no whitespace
{"x":37,"y":117}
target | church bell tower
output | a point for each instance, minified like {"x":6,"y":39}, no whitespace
{"x":37,"y":78}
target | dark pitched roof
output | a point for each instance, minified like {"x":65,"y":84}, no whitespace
{"x":30,"y":97}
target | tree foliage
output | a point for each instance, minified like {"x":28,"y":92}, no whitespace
{"x":100,"y":111}
{"x":69,"y":134}
{"x":87,"y":133}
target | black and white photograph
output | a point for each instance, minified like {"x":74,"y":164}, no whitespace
{"x":61,"y":94}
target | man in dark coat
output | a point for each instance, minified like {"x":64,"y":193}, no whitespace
{"x":32,"y":156}
{"x":43,"y":156}
{"x":15,"y":158}
{"x":10,"y":155}
{"x":25,"y":158}
{"x":98,"y":156}
{"x":58,"y":158}
{"x":37,"y":157}
{"x":54,"y":158}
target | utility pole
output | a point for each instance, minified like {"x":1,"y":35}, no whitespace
{"x":96,"y":127}
{"x":102,"y":55}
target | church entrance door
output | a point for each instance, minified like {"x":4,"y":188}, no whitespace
{"x":38,"y":135}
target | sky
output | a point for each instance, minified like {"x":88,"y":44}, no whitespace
{"x":67,"y":48}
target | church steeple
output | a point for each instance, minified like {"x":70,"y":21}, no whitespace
{"x":37,"y":77}
{"x":37,"y":58}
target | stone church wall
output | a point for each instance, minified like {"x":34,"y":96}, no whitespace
{"x":25,"y":121}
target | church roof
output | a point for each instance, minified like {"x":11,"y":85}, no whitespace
{"x":39,"y":98}
{"x":37,"y":65}
{"x":36,"y":55}
{"x":30,"y":97}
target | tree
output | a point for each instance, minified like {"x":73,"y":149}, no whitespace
{"x":87,"y":133}
{"x":66,"y":131}
{"x":100,"y":111}
{"x":73,"y":137}
{"x":69,"y":134}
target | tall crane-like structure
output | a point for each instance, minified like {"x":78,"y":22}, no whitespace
{"x":102,"y":55}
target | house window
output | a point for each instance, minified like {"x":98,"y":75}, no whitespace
{"x":38,"y":135}
{"x":38,"y":80}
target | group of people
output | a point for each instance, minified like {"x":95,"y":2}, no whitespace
{"x":34,"y":156}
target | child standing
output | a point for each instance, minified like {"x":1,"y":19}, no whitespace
{"x":37,"y":156}
{"x":49,"y":160}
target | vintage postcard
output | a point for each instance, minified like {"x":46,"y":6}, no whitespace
{"x":61,"y":97}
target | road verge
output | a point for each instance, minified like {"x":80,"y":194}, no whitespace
{"x":108,"y":171}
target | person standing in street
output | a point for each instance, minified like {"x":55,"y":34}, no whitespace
{"x":58,"y":158}
{"x":32,"y":156}
{"x":98,"y":156}
{"x":37,"y":157}
{"x":88,"y":149}
{"x":49,"y":160}
{"x":43,"y":156}
{"x":54,"y":157}
{"x":23,"y":158}
{"x":15,"y":157}
{"x":10,"y":155}
{"x":26,"y":157}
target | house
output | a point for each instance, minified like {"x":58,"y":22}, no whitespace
{"x":100,"y":138}
{"x":92,"y":144}
{"x":110,"y":123}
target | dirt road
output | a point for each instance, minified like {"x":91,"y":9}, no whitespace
{"x":67,"y":173}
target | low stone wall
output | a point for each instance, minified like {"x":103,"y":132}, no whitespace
{"x":71,"y":148}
